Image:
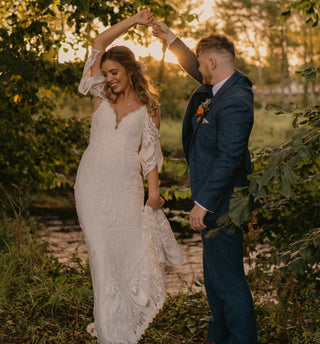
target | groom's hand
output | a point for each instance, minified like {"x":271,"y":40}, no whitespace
{"x":197,"y":215}
{"x":162,"y":31}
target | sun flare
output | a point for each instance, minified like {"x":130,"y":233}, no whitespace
{"x":204,"y":10}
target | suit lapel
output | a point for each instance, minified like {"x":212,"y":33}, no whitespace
{"x":199,"y":95}
{"x":206,"y":90}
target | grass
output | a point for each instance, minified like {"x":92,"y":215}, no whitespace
{"x":41,"y":300}
{"x":268,"y":130}
{"x":44,"y":301}
{"x":171,"y":137}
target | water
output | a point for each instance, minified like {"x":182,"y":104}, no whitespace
{"x":65,"y":240}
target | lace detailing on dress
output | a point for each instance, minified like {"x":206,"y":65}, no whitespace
{"x":150,"y":153}
{"x":128,"y":245}
{"x":166,"y":248}
{"x":92,"y":83}
{"x":145,"y":293}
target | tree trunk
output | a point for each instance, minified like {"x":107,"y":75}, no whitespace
{"x":305,"y":63}
{"x":161,"y":72}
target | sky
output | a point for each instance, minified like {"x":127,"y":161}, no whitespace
{"x":154,"y":49}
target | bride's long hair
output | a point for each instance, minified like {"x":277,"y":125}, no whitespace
{"x":136,"y":74}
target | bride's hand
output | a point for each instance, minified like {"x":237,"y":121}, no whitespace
{"x":144,"y":17}
{"x":155,"y":203}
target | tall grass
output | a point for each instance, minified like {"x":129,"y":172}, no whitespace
{"x":44,"y":301}
{"x":41,"y":300}
{"x":269,"y":130}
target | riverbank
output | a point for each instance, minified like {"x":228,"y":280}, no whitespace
{"x":43,"y":300}
{"x":65,"y":242}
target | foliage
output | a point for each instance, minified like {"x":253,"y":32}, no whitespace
{"x":309,"y":8}
{"x":310,"y":11}
{"x":39,"y":150}
{"x":40,"y":156}
{"x":174,"y":90}
{"x":286,"y":180}
{"x":183,"y":319}
{"x":44,"y":301}
{"x":287,"y":309}
{"x":41,"y":300}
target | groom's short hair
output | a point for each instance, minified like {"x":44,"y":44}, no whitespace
{"x":218,"y":43}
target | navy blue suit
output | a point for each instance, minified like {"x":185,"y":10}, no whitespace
{"x":216,"y":149}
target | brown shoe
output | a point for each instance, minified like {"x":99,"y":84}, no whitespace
{"x":208,"y":342}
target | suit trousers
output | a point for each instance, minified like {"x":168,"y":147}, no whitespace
{"x":233,"y":319}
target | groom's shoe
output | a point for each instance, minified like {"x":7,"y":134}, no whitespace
{"x":208,"y":342}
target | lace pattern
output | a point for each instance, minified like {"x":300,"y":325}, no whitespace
{"x":167,"y":251}
{"x":150,"y":152}
{"x":146,"y":294}
{"x":128,"y":244}
{"x":92,"y":83}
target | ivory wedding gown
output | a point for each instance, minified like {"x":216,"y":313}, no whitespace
{"x":128,"y":244}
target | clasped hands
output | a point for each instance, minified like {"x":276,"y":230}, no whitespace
{"x":159,"y":30}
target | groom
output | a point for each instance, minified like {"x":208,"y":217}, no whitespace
{"x":215,"y":134}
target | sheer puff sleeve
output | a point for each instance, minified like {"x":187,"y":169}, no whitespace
{"x":92,"y":83}
{"x":150,"y":152}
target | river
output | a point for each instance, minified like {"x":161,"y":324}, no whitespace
{"x":65,"y":240}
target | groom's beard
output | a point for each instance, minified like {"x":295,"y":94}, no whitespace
{"x":206,"y":81}
{"x":206,"y":78}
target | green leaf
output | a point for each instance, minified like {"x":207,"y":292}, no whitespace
{"x":316,"y":241}
{"x":306,"y":252}
{"x":297,"y":265}
{"x":239,"y":210}
{"x":285,"y":187}
{"x":290,"y":174}
{"x":213,"y":233}
{"x":284,"y":16}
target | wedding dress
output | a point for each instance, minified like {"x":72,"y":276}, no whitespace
{"x":128,"y":244}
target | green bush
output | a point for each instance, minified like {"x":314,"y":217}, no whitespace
{"x":41,"y":300}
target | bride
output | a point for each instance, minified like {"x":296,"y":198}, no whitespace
{"x":128,"y":244}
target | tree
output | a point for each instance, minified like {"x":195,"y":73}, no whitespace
{"x":178,"y":16}
{"x":39,"y":150}
{"x":286,"y":181}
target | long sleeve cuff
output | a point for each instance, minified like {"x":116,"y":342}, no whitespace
{"x":173,"y":39}
{"x":203,"y":207}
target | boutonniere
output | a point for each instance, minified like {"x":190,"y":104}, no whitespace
{"x":203,"y":108}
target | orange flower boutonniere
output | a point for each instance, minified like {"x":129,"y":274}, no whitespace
{"x":203,"y":109}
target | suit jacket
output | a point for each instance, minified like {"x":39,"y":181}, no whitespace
{"x":216,"y":145}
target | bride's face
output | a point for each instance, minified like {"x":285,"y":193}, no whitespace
{"x":115,"y":75}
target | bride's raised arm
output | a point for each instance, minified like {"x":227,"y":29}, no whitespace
{"x":106,"y":37}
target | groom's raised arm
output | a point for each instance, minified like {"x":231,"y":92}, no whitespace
{"x":185,"y":56}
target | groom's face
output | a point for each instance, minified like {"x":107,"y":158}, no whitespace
{"x":205,"y":67}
